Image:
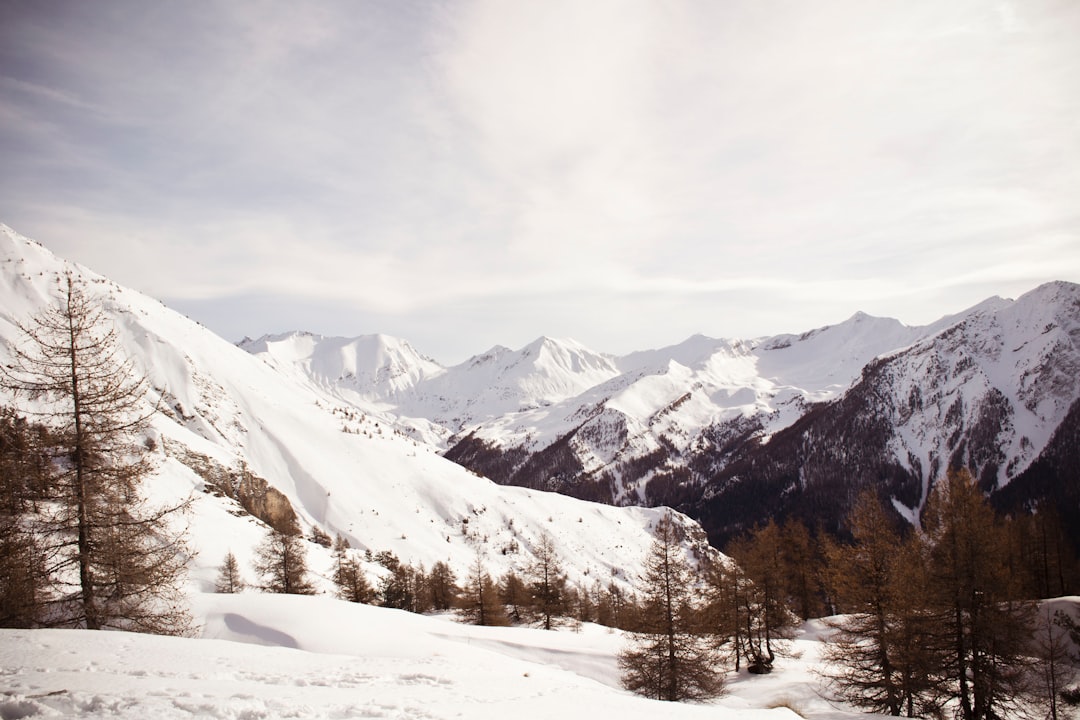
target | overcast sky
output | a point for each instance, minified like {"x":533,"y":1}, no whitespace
{"x":463,"y":173}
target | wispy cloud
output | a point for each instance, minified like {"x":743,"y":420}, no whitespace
{"x":617,"y":171}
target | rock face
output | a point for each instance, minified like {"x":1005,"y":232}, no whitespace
{"x":254,"y":494}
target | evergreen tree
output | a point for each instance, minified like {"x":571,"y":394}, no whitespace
{"x":669,"y":657}
{"x":229,"y":580}
{"x":114,"y":560}
{"x":281,"y":562}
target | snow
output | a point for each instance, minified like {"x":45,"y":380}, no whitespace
{"x":342,"y":469}
{"x":273,"y":656}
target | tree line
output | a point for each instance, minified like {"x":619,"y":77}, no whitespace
{"x":922,"y":621}
{"x":540,"y":594}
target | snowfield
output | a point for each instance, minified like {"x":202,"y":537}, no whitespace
{"x":280,"y":656}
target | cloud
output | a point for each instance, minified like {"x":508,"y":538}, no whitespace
{"x":605,"y":169}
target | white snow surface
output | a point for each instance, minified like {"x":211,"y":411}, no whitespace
{"x":343,"y":471}
{"x":273,"y":656}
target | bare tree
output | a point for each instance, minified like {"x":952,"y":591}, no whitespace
{"x":669,"y":656}
{"x":766,"y":622}
{"x":547,"y":584}
{"x":352,"y":583}
{"x":116,"y":561}
{"x":281,"y":562}
{"x":881,"y":654}
{"x":988,"y":628}
{"x":480,"y":604}
{"x":229,"y":580}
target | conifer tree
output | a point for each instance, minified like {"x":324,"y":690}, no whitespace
{"x":23,"y":578}
{"x":115,"y":561}
{"x":514,"y":596}
{"x":229,"y":579}
{"x":669,"y":656}
{"x":480,"y":604}
{"x":442,"y":587}
{"x":349,"y":576}
{"x":281,"y":562}
{"x":766,"y":621}
{"x":547,"y":584}
{"x":987,"y":627}
{"x":803,"y":566}
{"x":881,"y":652}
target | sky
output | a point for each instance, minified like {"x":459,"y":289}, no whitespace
{"x":465,"y":173}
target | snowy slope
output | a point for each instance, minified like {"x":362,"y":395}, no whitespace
{"x":986,"y":388}
{"x":988,"y":392}
{"x":289,"y":656}
{"x":612,"y":410}
{"x":342,"y":470}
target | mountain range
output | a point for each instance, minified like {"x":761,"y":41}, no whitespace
{"x":370,"y":438}
{"x":735,"y":431}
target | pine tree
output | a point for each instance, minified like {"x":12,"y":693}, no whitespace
{"x":229,"y":580}
{"x":281,"y":562}
{"x":669,"y":657}
{"x":115,"y":561}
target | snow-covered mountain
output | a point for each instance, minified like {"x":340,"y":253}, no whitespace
{"x":997,"y":390}
{"x":692,"y":425}
{"x":246,"y":436}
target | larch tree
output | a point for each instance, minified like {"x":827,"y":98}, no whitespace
{"x":514,"y":595}
{"x":547,"y":584}
{"x":229,"y":579}
{"x":442,"y":586}
{"x":116,"y":561}
{"x":879,"y":653}
{"x":479,"y":602}
{"x":988,"y":628}
{"x":669,"y":656}
{"x":765,"y":618}
{"x":281,"y":562}
{"x":349,"y":576}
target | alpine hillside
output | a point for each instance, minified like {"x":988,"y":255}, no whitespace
{"x":254,"y":446}
{"x":732,"y":431}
